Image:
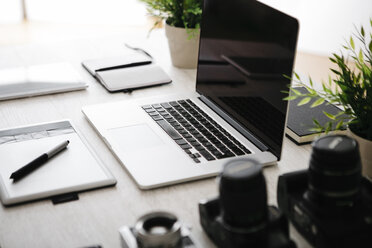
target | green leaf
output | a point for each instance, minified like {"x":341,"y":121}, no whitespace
{"x":316,"y":129}
{"x":330,"y":116}
{"x":328,"y":127}
{"x":335,"y":71}
{"x":304,"y":101}
{"x":316,"y":122}
{"x":296,"y":91}
{"x":287,"y":77}
{"x":296,"y":75}
{"x":360,"y":55}
{"x":318,"y":102}
{"x":370,"y":46}
{"x":311,"y":91}
{"x":340,"y":113}
{"x":333,"y":60}
{"x":362,"y":31}
{"x":289,"y":98}
{"x":311,"y":81}
{"x":329,"y":80}
{"x":339,"y":125}
{"x":352,"y":43}
{"x":324,"y":86}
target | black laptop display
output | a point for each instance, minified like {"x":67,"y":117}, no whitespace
{"x":245,"y":49}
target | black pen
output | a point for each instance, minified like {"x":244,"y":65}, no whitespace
{"x":37,"y":162}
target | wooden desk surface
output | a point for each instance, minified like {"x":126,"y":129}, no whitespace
{"x":96,"y":217}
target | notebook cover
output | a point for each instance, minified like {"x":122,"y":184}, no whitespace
{"x":300,"y":118}
{"x":133,"y":77}
{"x":129,"y":60}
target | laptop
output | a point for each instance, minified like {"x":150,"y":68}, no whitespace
{"x":236,"y":111}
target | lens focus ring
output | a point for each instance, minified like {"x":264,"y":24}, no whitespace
{"x":334,"y":171}
{"x":158,"y":229}
{"x":243,"y":194}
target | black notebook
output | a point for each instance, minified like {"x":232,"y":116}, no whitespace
{"x":300,"y":119}
{"x":127,"y":72}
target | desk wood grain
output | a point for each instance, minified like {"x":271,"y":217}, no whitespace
{"x":96,"y":217}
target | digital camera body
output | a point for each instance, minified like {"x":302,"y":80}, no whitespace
{"x":240,"y":217}
{"x":274,"y":234}
{"x":322,"y":226}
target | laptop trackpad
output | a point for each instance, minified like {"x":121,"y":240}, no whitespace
{"x":136,"y":137}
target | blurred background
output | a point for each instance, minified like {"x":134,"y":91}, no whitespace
{"x":324,"y":24}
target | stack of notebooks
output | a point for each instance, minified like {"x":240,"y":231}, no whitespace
{"x":300,"y":119}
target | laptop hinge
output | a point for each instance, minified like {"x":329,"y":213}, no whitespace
{"x":234,"y":124}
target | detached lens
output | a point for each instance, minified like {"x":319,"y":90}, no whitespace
{"x":243,"y":194}
{"x":334,"y":171}
{"x":158,"y":229}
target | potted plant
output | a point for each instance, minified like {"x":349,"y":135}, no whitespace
{"x":351,"y":89}
{"x":182,"y":23}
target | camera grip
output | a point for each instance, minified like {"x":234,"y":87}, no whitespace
{"x":287,"y":182}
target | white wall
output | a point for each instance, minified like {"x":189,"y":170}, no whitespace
{"x":325,"y":24}
{"x":120,"y":12}
{"x":10,"y":11}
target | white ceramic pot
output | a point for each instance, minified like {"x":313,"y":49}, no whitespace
{"x":183,"y":47}
{"x":365,"y":148}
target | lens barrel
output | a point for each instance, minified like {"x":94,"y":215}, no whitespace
{"x":334,"y":171}
{"x":158,"y":229}
{"x":243,"y":199}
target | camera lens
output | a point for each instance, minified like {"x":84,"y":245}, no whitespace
{"x":158,"y":229}
{"x":243,"y":194}
{"x":334,"y":171}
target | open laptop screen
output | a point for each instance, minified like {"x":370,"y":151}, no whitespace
{"x":245,"y":49}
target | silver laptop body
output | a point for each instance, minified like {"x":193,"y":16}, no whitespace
{"x":230,"y":80}
{"x":148,"y":153}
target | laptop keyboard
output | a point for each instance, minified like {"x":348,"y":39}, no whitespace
{"x":194,"y":131}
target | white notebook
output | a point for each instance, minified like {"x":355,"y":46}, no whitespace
{"x":37,"y":80}
{"x":75,"y":169}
